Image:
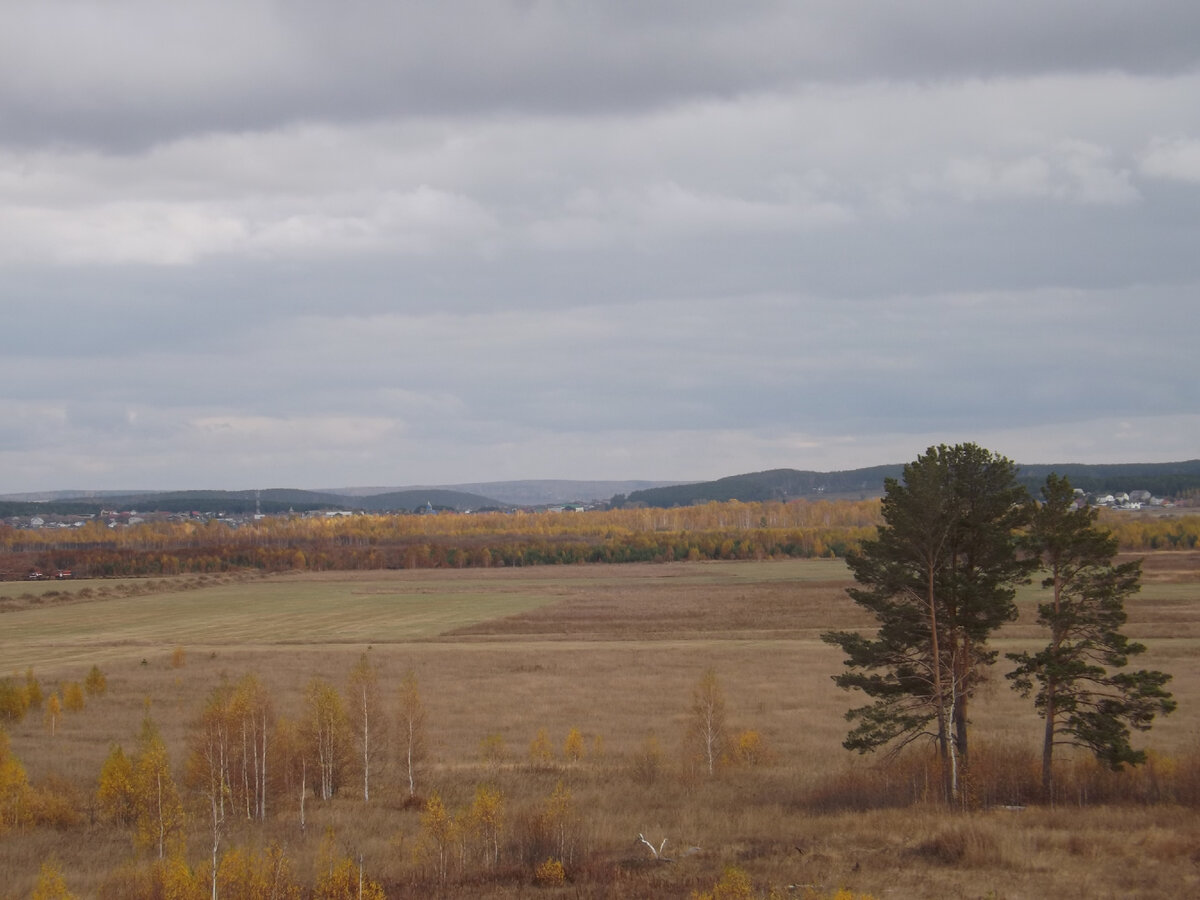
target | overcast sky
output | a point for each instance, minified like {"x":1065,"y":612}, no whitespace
{"x":247,"y":243}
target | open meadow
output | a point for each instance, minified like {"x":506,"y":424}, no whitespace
{"x":511,"y":661}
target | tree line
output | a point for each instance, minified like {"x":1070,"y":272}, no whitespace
{"x":714,"y":531}
{"x":729,"y":530}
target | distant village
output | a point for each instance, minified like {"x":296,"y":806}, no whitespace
{"x":1126,"y":501}
{"x":1131,"y":501}
{"x":128,"y":518}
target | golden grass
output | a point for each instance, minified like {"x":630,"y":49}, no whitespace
{"x":614,"y":652}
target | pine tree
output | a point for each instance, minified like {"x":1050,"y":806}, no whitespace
{"x":1083,"y":701}
{"x":939,"y":578}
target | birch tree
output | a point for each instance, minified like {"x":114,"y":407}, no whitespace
{"x":326,"y":734}
{"x":411,"y":721}
{"x":14,"y":788}
{"x":366,"y":718}
{"x":159,"y":819}
{"x":208,"y":769}
{"x":252,"y":721}
{"x":707,"y":731}
{"x":115,"y":793}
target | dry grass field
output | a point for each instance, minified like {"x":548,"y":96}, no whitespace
{"x":615,"y":652}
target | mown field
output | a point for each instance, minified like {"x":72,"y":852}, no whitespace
{"x":616,"y":653}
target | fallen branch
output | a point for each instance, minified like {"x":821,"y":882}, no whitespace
{"x":657,"y":853}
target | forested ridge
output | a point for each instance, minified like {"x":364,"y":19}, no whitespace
{"x":1170,"y":480}
{"x":1161,"y":479}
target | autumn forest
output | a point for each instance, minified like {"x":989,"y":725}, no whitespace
{"x":731,"y":530}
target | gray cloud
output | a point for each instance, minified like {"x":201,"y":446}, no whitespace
{"x":299,"y":243}
{"x":133,"y":72}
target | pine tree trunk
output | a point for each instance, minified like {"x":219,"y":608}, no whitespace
{"x":1051,"y":699}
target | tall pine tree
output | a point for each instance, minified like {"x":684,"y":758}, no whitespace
{"x":939,"y":578}
{"x":1076,"y":689}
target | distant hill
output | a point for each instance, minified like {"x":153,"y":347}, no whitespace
{"x":775,"y":484}
{"x":481,"y":495}
{"x":548,"y":492}
{"x":1161,"y":479}
{"x":438,"y":498}
{"x":530,"y":492}
{"x":1172,"y":479}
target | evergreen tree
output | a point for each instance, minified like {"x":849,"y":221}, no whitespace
{"x":1085,"y":703}
{"x":939,"y":578}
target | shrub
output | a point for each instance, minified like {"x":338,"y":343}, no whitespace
{"x":541,"y":753}
{"x":14,"y":789}
{"x":96,"y":683}
{"x":55,"y":803}
{"x":493,"y":751}
{"x":243,"y":873}
{"x":345,"y":881}
{"x":50,"y":884}
{"x":749,"y":749}
{"x":573,"y":746}
{"x":1003,"y":775}
{"x":130,"y":880}
{"x":646,"y":764}
{"x":53,"y":713}
{"x":550,"y":873}
{"x":33,"y":691}
{"x":734,"y":885}
{"x":179,"y":881}
{"x":72,"y":696}
{"x":964,"y":846}
{"x":14,"y":701}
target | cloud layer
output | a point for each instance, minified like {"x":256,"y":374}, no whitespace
{"x":256,"y":243}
